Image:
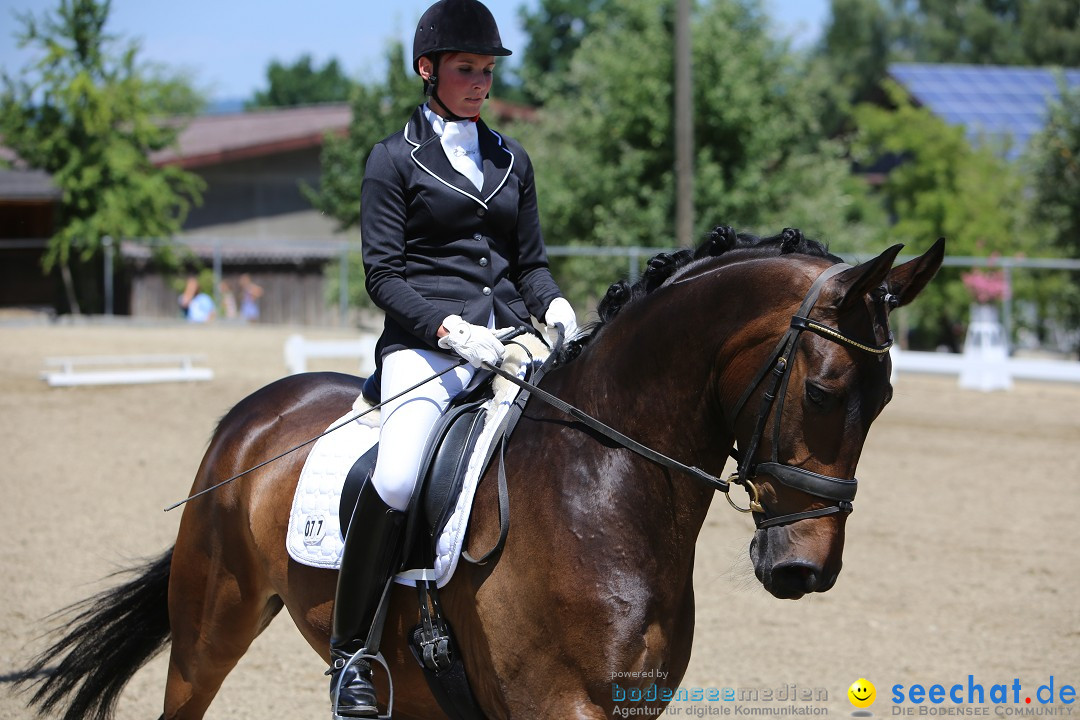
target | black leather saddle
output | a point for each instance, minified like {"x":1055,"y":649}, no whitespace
{"x":442,"y":469}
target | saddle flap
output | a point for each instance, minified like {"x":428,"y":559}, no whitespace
{"x":445,"y":461}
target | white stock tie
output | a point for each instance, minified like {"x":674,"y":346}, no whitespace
{"x":461,"y":144}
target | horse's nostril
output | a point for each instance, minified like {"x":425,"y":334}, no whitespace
{"x":795,"y":579}
{"x":810,"y":578}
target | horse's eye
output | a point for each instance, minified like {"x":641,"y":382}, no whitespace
{"x":815,"y":394}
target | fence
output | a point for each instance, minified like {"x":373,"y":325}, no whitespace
{"x":221,"y":252}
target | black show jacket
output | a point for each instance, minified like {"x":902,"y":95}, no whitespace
{"x":435,"y":246}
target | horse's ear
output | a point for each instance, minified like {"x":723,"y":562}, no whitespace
{"x":851,"y":286}
{"x":905,"y":282}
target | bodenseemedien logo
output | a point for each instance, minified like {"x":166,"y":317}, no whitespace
{"x":631,"y":699}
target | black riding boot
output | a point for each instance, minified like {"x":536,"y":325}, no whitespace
{"x":371,"y":556}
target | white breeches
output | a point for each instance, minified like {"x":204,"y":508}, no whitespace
{"x":407,"y":421}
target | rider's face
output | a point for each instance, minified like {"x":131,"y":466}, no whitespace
{"x":464,"y":81}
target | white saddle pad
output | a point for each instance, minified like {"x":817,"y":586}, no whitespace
{"x":314,"y":535}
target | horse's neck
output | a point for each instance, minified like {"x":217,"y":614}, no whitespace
{"x":658,"y":396}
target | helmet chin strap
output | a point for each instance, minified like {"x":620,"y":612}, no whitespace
{"x":431,"y":89}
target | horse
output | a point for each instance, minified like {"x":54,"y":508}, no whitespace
{"x":595,"y":579}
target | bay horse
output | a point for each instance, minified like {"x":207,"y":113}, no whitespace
{"x":595,"y":580}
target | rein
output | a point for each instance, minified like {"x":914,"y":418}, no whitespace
{"x":610,"y":432}
{"x":840,"y":490}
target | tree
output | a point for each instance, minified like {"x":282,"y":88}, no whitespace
{"x":988,"y":32}
{"x":603,"y":146}
{"x":981,"y":32}
{"x":862,"y":37}
{"x":173,"y":92}
{"x":1050,"y":32}
{"x":943,"y":187}
{"x":1055,"y":159}
{"x":1055,"y":166}
{"x":555,"y":30}
{"x":302,"y":84}
{"x":85,"y":114}
{"x":855,"y":45}
{"x":378,"y":110}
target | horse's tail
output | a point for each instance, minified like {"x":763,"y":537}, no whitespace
{"x":112,"y":635}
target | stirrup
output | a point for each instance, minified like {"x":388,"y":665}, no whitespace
{"x":360,"y":655}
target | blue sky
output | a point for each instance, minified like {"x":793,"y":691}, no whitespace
{"x":227,"y":44}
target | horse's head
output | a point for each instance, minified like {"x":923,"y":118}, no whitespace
{"x":806,"y":406}
{"x":789,"y":361}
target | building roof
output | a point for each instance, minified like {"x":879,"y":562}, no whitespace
{"x":27,"y":186}
{"x":238,"y":250}
{"x":214,"y":139}
{"x":994,"y":103}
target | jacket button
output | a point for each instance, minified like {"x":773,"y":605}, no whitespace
{"x":477,"y":236}
{"x":487,"y":291}
{"x":481,"y":212}
{"x":483,"y":262}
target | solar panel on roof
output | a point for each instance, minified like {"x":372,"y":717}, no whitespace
{"x":1004,"y":101}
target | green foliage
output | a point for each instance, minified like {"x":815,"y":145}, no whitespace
{"x":1050,"y":32}
{"x":855,"y":52}
{"x":987,"y":32}
{"x":963,"y":31}
{"x":863,"y":36}
{"x":555,"y":30}
{"x":378,"y":110}
{"x":942,"y":187}
{"x":86,"y":114}
{"x":357,"y":291}
{"x":1055,"y":160}
{"x":302,"y":84}
{"x":604,"y":156}
{"x":1054,"y":156}
{"x":172,"y":92}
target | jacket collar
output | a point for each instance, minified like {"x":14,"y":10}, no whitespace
{"x":429,"y":156}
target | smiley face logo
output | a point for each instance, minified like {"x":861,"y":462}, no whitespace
{"x":862,"y":693}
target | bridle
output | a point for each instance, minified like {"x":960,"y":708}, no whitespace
{"x":778,"y":368}
{"x":839,"y":490}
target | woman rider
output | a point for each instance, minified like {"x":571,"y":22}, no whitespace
{"x":452,"y":250}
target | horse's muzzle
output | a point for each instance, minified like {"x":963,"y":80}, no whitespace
{"x":788,"y":576}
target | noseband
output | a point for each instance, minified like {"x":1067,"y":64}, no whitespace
{"x":778,"y":368}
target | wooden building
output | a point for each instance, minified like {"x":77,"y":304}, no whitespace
{"x":254,"y":217}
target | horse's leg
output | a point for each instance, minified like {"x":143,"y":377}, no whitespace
{"x":218,"y":603}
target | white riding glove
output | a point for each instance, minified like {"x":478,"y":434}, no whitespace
{"x":559,"y":312}
{"x":475,"y":343}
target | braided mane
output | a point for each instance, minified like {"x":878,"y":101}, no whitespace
{"x":661,"y":267}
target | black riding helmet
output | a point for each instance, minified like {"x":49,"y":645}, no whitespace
{"x":454,"y":26}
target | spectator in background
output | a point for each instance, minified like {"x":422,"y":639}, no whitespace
{"x":228,"y":300}
{"x":198,"y":306}
{"x":249,"y":298}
